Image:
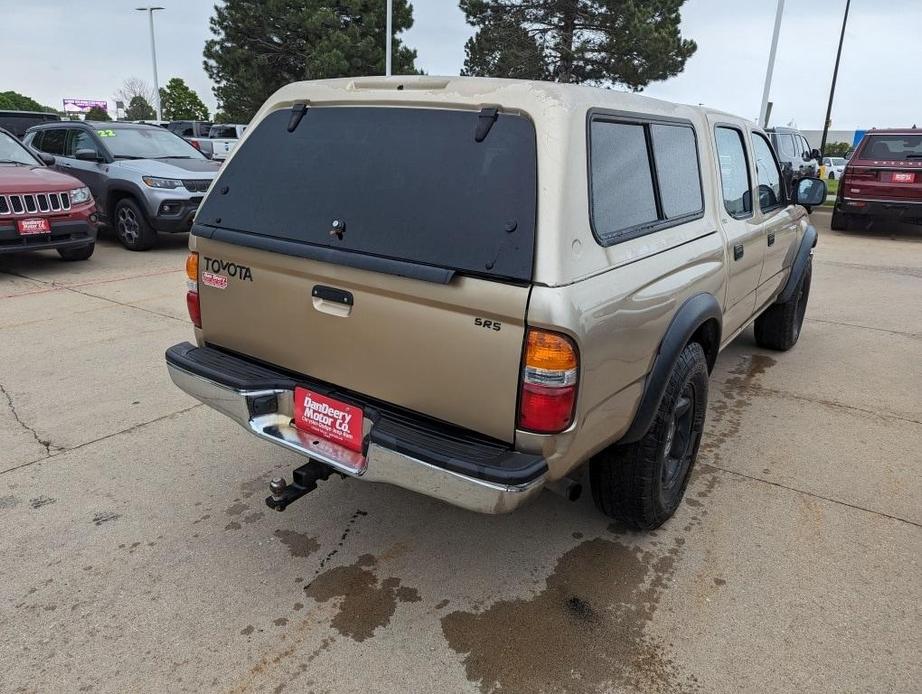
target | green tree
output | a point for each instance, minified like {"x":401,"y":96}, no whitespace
{"x":837,"y":149}
{"x":97,"y":113}
{"x":178,"y":102}
{"x":14,"y":101}
{"x":628,"y":42}
{"x":261,"y":45}
{"x":139,"y":109}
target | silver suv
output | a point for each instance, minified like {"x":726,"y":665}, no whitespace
{"x":144,"y":178}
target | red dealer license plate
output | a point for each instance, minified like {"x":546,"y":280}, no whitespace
{"x":33,"y":226}
{"x":904,"y":177}
{"x":329,"y":419}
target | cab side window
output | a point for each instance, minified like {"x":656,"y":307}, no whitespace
{"x":53,"y":141}
{"x":644,"y":176}
{"x":771,"y":193}
{"x":734,"y":172}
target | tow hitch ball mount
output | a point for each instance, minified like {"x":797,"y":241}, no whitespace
{"x":304,"y":480}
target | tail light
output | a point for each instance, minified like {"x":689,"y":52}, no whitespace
{"x":195,"y":144}
{"x":853,"y":175}
{"x":192,"y":301}
{"x":549,"y":376}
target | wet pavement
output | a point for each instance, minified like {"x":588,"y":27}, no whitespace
{"x":137,"y":553}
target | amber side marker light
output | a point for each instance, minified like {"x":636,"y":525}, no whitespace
{"x":192,"y":302}
{"x":549,"y":377}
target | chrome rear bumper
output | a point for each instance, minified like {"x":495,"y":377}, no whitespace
{"x":381,"y":463}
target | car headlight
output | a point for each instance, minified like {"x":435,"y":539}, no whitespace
{"x":168,"y":183}
{"x":80,"y":195}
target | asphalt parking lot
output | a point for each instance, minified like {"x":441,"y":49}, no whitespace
{"x":137,"y":553}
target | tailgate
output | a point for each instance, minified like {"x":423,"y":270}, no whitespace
{"x":422,"y":346}
{"x":884,"y":183}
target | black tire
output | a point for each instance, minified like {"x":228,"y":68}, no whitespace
{"x":831,"y":176}
{"x":641,"y":484}
{"x":780,"y":325}
{"x":131,"y":226}
{"x":79,"y":253}
{"x":841,"y":221}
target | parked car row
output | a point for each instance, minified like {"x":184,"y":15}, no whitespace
{"x":41,"y":208}
{"x":143,"y":178}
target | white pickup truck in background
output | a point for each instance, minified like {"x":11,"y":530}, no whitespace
{"x":224,"y":138}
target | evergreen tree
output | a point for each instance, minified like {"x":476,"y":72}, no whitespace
{"x":261,"y":45}
{"x":14,"y":101}
{"x":628,"y":42}
{"x":178,"y":102}
{"x":139,"y":109}
{"x":97,"y":113}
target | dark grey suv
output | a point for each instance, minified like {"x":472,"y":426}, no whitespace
{"x":144,"y":178}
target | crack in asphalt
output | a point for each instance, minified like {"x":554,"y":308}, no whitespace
{"x":830,"y":403}
{"x":831,"y":500}
{"x":47,"y":445}
{"x":863,"y":327}
{"x":61,"y":451}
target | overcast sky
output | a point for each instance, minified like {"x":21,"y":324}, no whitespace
{"x":84,"y":49}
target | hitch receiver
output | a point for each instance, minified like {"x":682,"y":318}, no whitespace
{"x":304,"y":480}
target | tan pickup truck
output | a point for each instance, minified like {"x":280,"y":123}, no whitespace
{"x":472,"y":288}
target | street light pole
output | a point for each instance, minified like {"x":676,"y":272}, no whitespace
{"x":153,"y":55}
{"x":835,"y":76}
{"x":388,"y":50}
{"x":763,"y":112}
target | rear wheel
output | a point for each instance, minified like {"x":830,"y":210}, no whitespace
{"x":779,"y":326}
{"x":80,"y":253}
{"x":841,"y":221}
{"x":641,"y":484}
{"x":131,"y":226}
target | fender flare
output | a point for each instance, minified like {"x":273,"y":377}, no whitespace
{"x":799,"y":266}
{"x":691,"y":315}
{"x":116,"y":186}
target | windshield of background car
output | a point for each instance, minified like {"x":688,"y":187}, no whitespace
{"x":405,"y":183}
{"x":11,"y":151}
{"x":146,"y":143}
{"x":892,"y":148}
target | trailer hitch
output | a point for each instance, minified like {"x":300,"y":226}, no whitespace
{"x":304,"y":481}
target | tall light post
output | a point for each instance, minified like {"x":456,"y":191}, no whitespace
{"x":153,"y":55}
{"x":388,"y":49}
{"x":835,"y":75}
{"x":763,"y":112}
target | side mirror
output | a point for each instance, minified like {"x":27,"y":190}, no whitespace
{"x":87,"y":155}
{"x":816,"y":154}
{"x":47,"y":159}
{"x":810,"y":192}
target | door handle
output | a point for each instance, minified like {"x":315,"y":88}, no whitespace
{"x":338,"y":296}
{"x":738,"y":251}
{"x":771,"y":239}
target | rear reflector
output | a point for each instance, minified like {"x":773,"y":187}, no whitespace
{"x":192,"y":300}
{"x":549,"y":378}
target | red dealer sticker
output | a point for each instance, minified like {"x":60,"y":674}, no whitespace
{"x":216,"y":281}
{"x":328,"y":418}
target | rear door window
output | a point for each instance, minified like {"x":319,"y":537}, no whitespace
{"x":409,"y":184}
{"x":54,"y":141}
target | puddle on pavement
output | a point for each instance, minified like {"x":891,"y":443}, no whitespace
{"x":364,"y":603}
{"x":583,"y":633}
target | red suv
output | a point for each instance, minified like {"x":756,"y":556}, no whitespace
{"x":41,"y":208}
{"x":882,"y":180}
